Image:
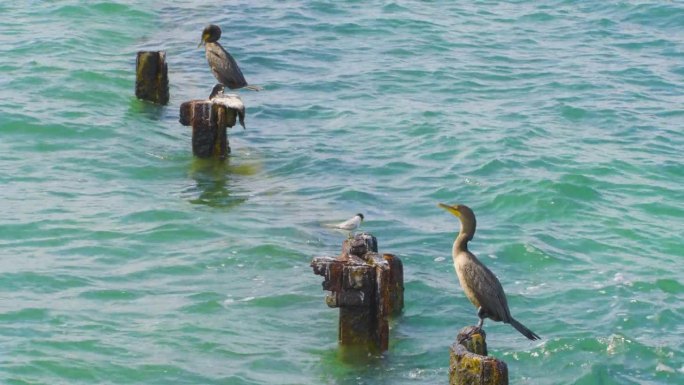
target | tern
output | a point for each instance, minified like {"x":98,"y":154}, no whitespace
{"x":350,"y":224}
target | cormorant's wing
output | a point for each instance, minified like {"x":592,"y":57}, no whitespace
{"x":224,"y":67}
{"x":487,"y":290}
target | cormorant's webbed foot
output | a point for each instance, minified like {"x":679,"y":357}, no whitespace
{"x":473,"y":330}
{"x":476,"y":329}
{"x":465,"y":337}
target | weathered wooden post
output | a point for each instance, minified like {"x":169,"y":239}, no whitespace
{"x":468,"y":361}
{"x":151,"y":77}
{"x":209,"y":120}
{"x":367,"y":287}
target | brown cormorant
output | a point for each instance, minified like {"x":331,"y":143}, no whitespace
{"x":480,"y":285}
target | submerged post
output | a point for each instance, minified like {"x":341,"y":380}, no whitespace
{"x":151,"y":77}
{"x":367,"y":287}
{"x":209,"y":120}
{"x":469,"y":363}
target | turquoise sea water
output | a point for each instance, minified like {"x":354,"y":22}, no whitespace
{"x":123,"y":260}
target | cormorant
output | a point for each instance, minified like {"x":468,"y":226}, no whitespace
{"x":222,"y":65}
{"x":480,"y":285}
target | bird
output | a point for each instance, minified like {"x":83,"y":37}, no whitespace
{"x":217,"y":91}
{"x":233,"y":101}
{"x":480,"y":285}
{"x":221,"y":63}
{"x":350,"y":224}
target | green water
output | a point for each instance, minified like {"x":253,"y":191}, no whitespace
{"x":123,"y":260}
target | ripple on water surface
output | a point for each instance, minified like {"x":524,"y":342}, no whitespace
{"x":125,"y":260}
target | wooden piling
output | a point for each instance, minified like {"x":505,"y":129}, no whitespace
{"x":367,"y":287}
{"x":151,"y":77}
{"x":469,"y":363}
{"x":209,"y":120}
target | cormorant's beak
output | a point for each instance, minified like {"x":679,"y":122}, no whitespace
{"x":202,"y":40}
{"x":451,"y":209}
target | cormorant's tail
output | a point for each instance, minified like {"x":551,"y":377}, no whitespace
{"x":254,"y":87}
{"x":523,"y":330}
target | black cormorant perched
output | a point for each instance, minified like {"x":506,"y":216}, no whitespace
{"x":222,"y":65}
{"x":480,"y":285}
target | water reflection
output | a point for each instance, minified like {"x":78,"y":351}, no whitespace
{"x":147,"y":109}
{"x":213,"y":185}
{"x":353,"y":366}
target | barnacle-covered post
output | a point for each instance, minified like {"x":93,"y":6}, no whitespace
{"x":151,"y":77}
{"x":209,"y":120}
{"x":367,"y":287}
{"x":469,"y":363}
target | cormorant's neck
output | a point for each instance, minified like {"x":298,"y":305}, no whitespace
{"x":465,"y":234}
{"x":461,"y":242}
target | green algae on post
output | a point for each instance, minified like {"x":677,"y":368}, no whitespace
{"x":151,"y":77}
{"x":469,"y":363}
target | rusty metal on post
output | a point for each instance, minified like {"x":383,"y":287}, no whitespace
{"x":209,"y":120}
{"x":151,"y":77}
{"x":367,"y":287}
{"x":469,"y":363}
